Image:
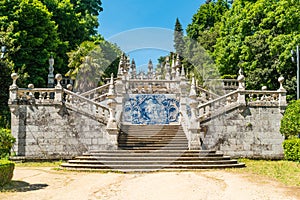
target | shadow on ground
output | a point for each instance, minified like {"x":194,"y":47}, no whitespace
{"x":21,"y":186}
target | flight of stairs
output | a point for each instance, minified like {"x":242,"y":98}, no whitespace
{"x":151,"y":148}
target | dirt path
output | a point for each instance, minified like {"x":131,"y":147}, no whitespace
{"x":44,"y":183}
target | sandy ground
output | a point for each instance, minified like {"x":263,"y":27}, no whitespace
{"x":45,"y":183}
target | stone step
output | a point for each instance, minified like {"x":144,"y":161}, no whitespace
{"x":143,"y":153}
{"x":132,"y":157}
{"x":152,"y":162}
{"x":142,"y":168}
{"x":122,"y":152}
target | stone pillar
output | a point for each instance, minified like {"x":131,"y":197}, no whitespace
{"x":58,"y":89}
{"x":112,"y":124}
{"x":241,"y":96}
{"x":282,"y":95}
{"x":194,"y":126}
{"x":51,"y":75}
{"x":13,"y":89}
{"x":183,"y":97}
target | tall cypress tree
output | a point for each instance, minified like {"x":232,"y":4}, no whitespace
{"x":178,"y":38}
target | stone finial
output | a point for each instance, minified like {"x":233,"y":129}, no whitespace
{"x":58,"y":77}
{"x":167,"y":68}
{"x":281,"y":80}
{"x":193,"y":93}
{"x":30,"y":86}
{"x":111,"y":89}
{"x":264,"y":88}
{"x":14,"y":77}
{"x":177,"y":63}
{"x":241,"y":80}
{"x":70,"y":87}
{"x":51,"y":68}
{"x":177,"y":73}
{"x":182,"y":72}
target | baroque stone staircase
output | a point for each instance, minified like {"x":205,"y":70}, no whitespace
{"x":151,"y":148}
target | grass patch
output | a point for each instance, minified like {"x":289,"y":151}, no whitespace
{"x":39,"y":164}
{"x":286,"y":172}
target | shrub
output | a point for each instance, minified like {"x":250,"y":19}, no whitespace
{"x":290,"y":122}
{"x":292,"y":149}
{"x":6,"y":142}
{"x":6,"y":171}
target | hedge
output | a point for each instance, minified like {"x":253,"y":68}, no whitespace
{"x":292,"y":149}
{"x":290,"y":122}
{"x":6,"y":142}
{"x":6,"y":171}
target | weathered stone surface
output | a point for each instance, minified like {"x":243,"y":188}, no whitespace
{"x":42,"y":133}
{"x":253,"y":133}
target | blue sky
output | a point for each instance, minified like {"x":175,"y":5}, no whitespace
{"x":138,"y":21}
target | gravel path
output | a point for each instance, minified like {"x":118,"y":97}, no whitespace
{"x":44,"y":183}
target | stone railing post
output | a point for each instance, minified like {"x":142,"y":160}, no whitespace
{"x":282,"y":95}
{"x":241,"y":96}
{"x":112,"y":124}
{"x":58,"y":89}
{"x":13,"y":89}
{"x":194,"y":128}
{"x":111,"y":102}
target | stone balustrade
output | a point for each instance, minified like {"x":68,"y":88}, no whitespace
{"x":36,"y":95}
{"x":98,"y":94}
{"x":137,"y":86}
{"x":85,"y":105}
{"x":225,"y":84}
{"x":209,"y":108}
{"x":205,"y":95}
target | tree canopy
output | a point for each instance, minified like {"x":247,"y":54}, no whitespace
{"x":255,"y":35}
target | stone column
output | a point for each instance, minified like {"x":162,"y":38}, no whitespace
{"x":58,"y":89}
{"x":241,"y":96}
{"x":13,"y":89}
{"x":282,"y":95}
{"x":194,"y":126}
{"x":112,"y":124}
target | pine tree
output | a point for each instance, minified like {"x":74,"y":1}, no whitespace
{"x":178,"y":38}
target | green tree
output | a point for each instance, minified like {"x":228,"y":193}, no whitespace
{"x":92,"y":62}
{"x":178,"y":38}
{"x":6,"y":68}
{"x":258,"y":36}
{"x":34,"y":32}
{"x":89,"y":11}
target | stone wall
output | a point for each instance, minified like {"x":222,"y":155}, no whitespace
{"x":251,"y":132}
{"x":55,"y":132}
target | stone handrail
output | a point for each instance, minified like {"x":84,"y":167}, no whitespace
{"x":87,"y":106}
{"x":36,"y":95}
{"x":241,"y":97}
{"x":97,"y":94}
{"x":205,"y":110}
{"x":229,"y":84}
{"x":205,"y":95}
{"x":262,"y":98}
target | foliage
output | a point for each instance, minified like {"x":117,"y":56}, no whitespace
{"x":35,"y":33}
{"x":6,"y":171}
{"x":92,"y":61}
{"x":290,"y":122}
{"x":6,"y":142}
{"x":292,"y":149}
{"x":205,"y":23}
{"x":178,"y":38}
{"x":44,"y":27}
{"x":6,"y":66}
{"x":258,"y":36}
